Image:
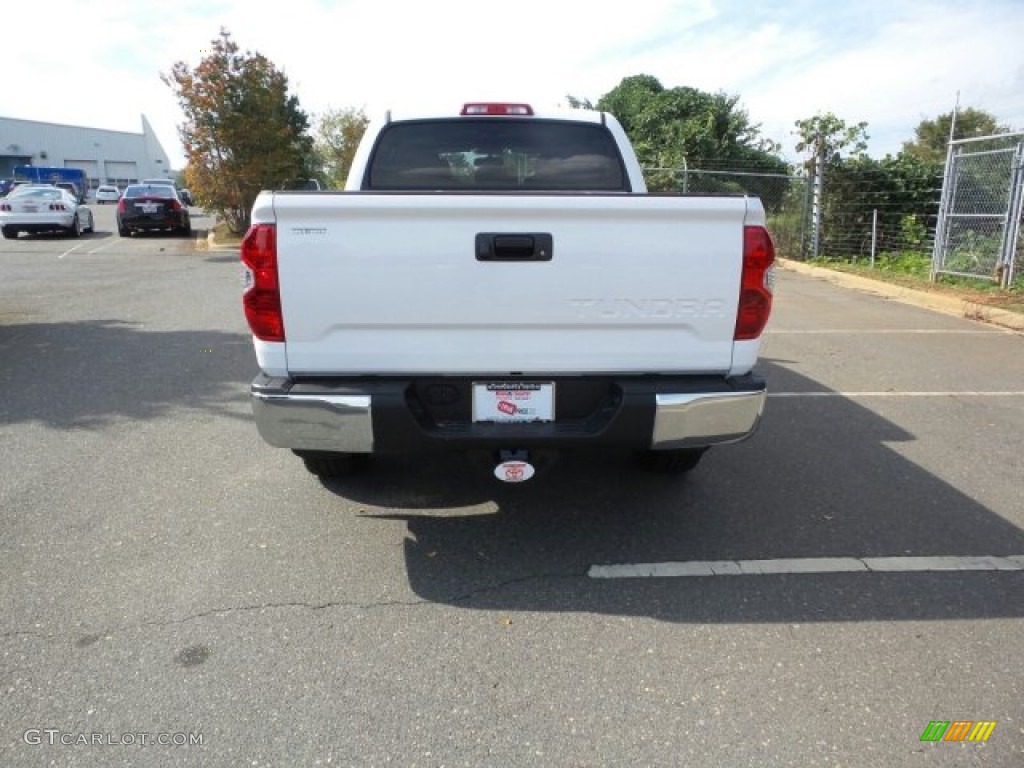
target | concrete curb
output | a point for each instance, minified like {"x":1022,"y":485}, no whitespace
{"x":948,"y":305}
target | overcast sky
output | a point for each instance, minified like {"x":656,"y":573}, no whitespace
{"x":891,"y":63}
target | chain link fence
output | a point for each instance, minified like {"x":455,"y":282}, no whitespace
{"x":877,"y":210}
{"x":978,"y":232}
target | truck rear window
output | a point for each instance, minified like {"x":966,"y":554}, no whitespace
{"x":496,"y":154}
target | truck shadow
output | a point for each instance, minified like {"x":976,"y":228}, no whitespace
{"x":818,"y":480}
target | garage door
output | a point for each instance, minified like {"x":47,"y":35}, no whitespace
{"x":121,"y":173}
{"x":91,"y":168}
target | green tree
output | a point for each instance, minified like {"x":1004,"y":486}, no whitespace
{"x":242,"y":133}
{"x":337,"y":135}
{"x":931,"y":137}
{"x":575,"y":103}
{"x":824,"y":138}
{"x":675,"y":128}
{"x":827,"y":137}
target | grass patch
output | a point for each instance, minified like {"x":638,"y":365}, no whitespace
{"x":913,"y":270}
{"x":225,"y":236}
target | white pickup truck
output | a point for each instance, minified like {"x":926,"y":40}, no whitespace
{"x":498,"y":281}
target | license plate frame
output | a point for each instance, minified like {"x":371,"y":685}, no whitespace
{"x":513,"y":402}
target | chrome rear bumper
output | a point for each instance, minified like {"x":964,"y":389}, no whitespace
{"x":364,"y":416}
{"x":342,"y":423}
{"x":695,"y":420}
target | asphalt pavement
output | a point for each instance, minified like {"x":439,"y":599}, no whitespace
{"x":167,"y":577}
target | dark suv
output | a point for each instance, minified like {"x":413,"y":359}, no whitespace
{"x":147,"y":207}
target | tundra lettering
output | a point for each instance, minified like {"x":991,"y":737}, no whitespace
{"x":663,"y":309}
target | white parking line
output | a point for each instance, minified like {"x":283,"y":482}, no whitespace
{"x":105,"y":245}
{"x":956,"y":393}
{"x":70,"y":250}
{"x":807,"y":565}
{"x":893,"y":331}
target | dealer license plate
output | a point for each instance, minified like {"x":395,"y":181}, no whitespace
{"x":513,"y":401}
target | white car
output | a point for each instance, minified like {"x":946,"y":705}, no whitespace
{"x":43,"y":208}
{"x":107,"y":193}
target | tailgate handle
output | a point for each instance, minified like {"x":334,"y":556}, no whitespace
{"x":492,"y":246}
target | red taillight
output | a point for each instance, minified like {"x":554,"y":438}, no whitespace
{"x":5,"y":207}
{"x":262,"y":297}
{"x":121,"y":205}
{"x":756,"y":284}
{"x":495,"y":108}
{"x":174,"y":205}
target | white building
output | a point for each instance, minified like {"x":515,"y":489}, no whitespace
{"x":107,"y":157}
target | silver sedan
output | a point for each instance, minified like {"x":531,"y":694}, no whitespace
{"x":43,"y":208}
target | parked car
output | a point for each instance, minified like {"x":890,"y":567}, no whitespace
{"x":149,"y":207}
{"x":67,"y":186}
{"x":107,"y":193}
{"x":183,"y":194}
{"x":43,"y":208}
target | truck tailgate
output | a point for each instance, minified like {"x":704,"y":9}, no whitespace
{"x":391,"y":283}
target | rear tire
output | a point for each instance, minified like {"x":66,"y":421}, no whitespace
{"x":124,"y":232}
{"x":672,"y":462}
{"x":75,"y":230}
{"x":10,"y":233}
{"x":327,"y":465}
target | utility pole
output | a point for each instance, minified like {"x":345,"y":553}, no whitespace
{"x":819,"y":189}
{"x":952,"y":121}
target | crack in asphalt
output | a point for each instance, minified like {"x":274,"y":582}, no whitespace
{"x":463,"y":598}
